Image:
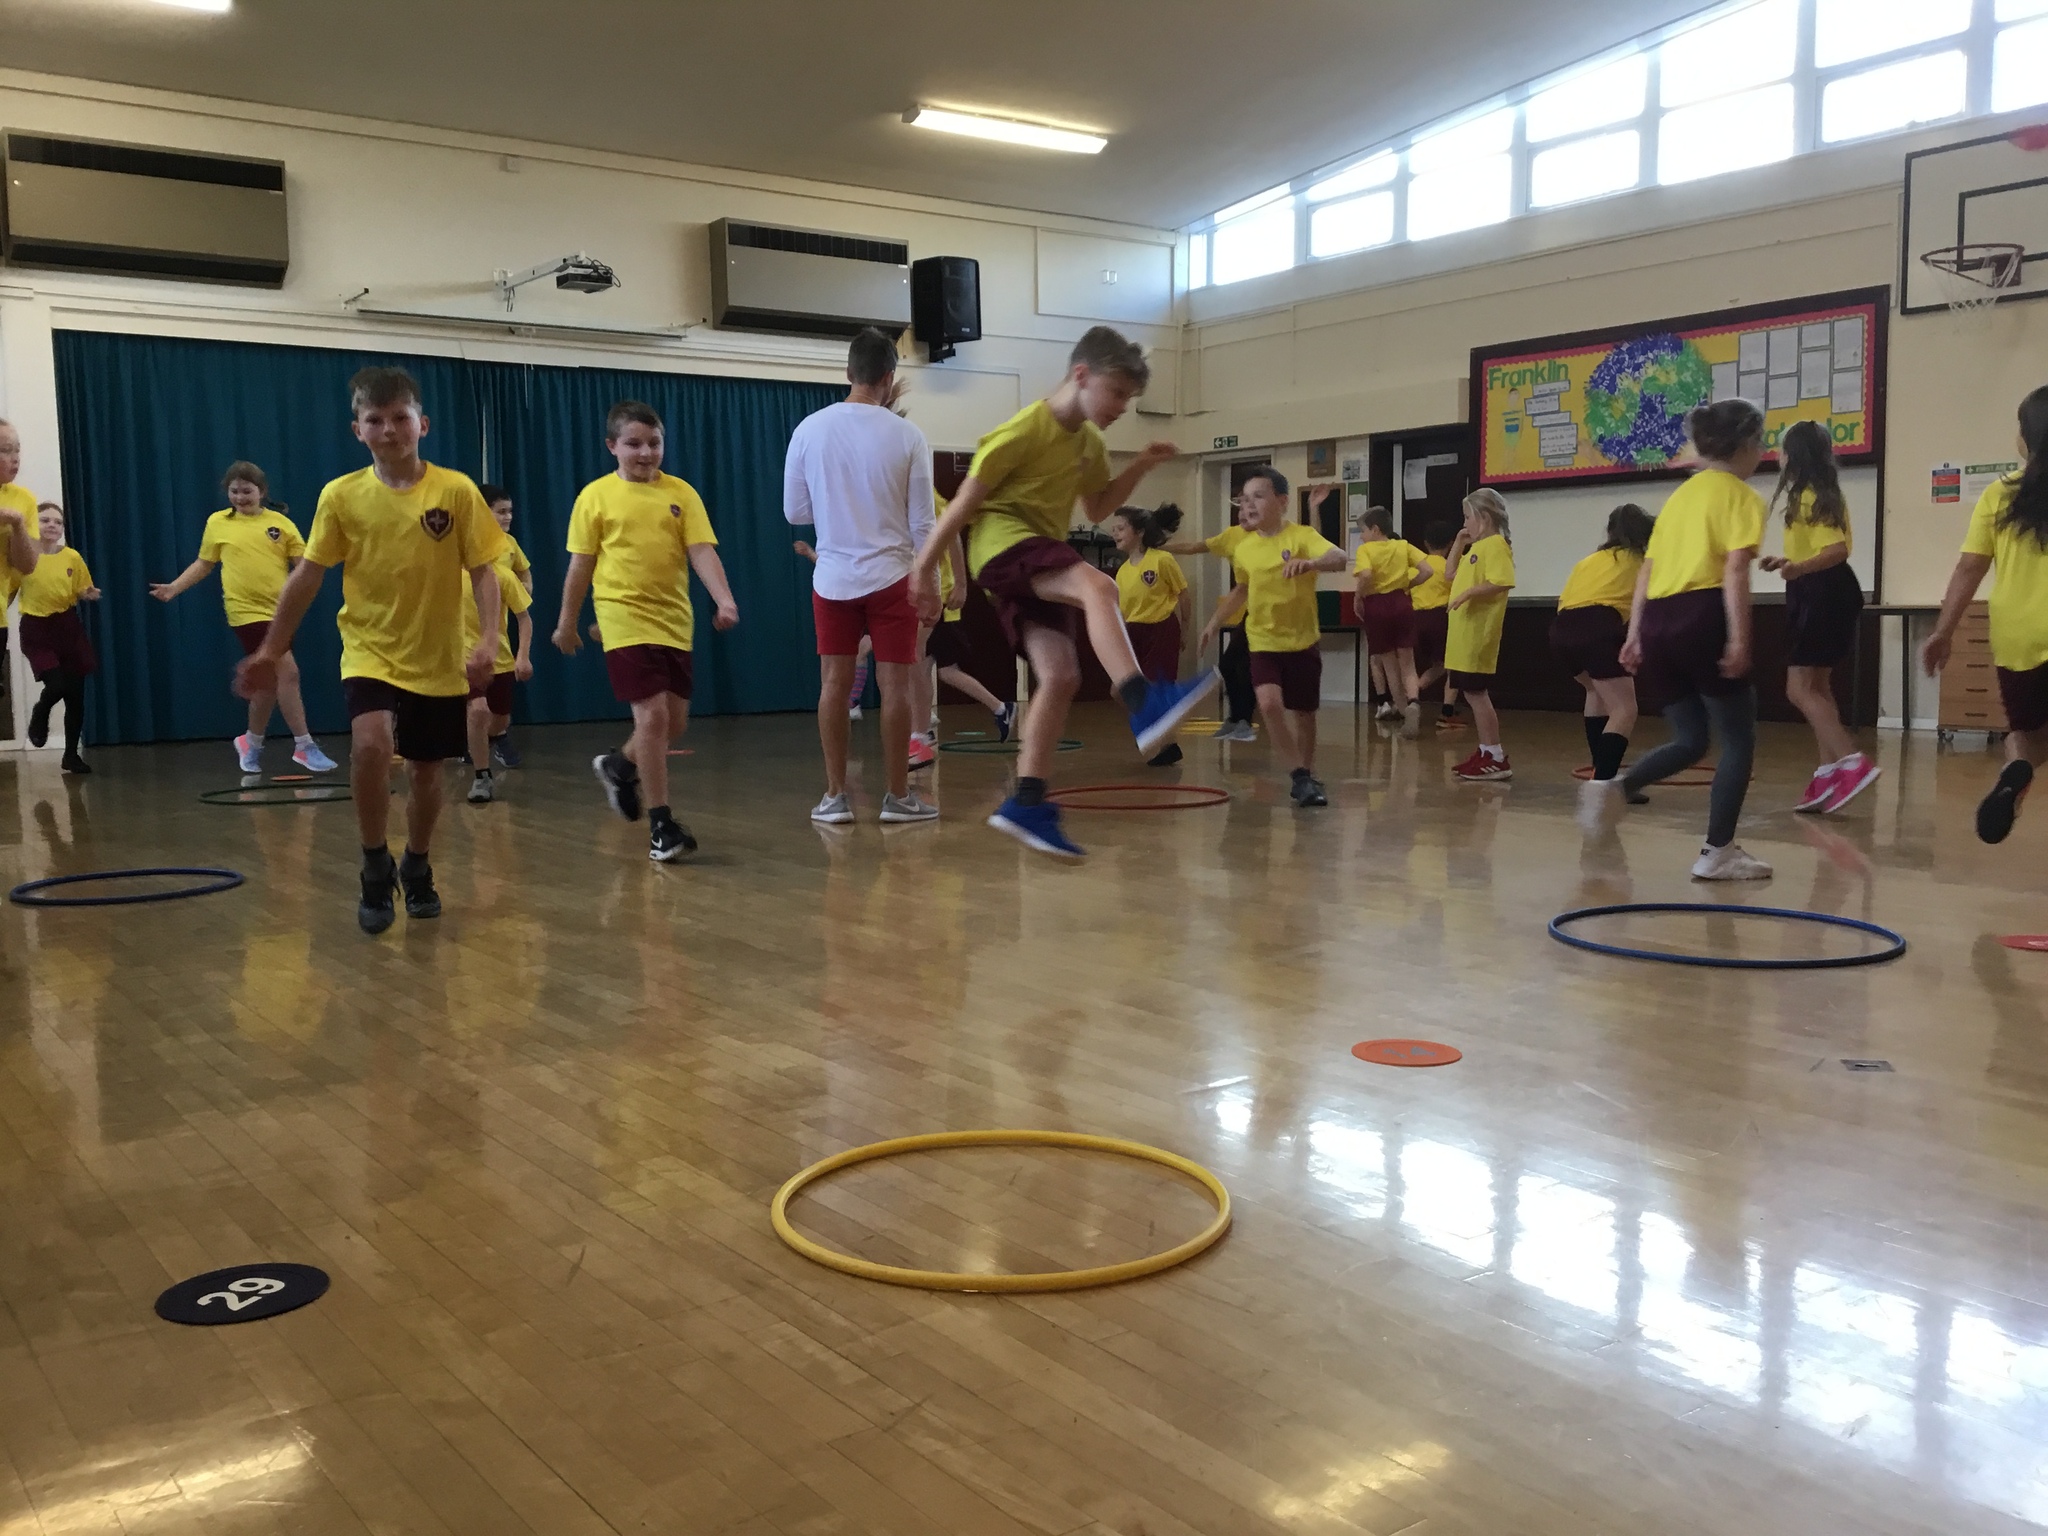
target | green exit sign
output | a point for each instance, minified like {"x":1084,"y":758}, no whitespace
{"x":1227,"y":442}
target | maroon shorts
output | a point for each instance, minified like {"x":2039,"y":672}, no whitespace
{"x":1388,"y":619}
{"x":946,"y":646}
{"x":1589,"y":640}
{"x":1469,"y":682}
{"x":888,"y":617}
{"x":57,"y":643}
{"x":1432,"y":636}
{"x":252,"y":636}
{"x":2025,"y":696}
{"x":1007,"y":580}
{"x":1158,"y":648}
{"x":425,"y":728}
{"x":647,"y":671}
{"x":1822,"y":614}
{"x":497,"y":693}
{"x":1297,"y":674}
{"x":1683,"y":638}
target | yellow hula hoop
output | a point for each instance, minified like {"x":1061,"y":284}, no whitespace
{"x":1054,"y":1280}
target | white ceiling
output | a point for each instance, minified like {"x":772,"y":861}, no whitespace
{"x":1205,"y":101}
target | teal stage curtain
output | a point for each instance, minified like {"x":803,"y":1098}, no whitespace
{"x":148,"y":424}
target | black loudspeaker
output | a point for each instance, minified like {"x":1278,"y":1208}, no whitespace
{"x":945,"y":302}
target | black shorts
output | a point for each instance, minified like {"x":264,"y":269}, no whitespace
{"x":1821,"y":615}
{"x":2025,"y":696}
{"x":426,"y":728}
{"x":946,"y":646}
{"x":1589,"y":640}
{"x":1683,"y":638}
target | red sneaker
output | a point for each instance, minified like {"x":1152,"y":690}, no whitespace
{"x":1850,"y":780}
{"x":1481,"y":769}
{"x":1819,"y":789}
{"x":922,"y":753}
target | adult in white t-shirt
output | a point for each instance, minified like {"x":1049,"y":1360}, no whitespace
{"x":862,"y":475}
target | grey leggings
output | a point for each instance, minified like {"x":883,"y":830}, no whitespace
{"x":1734,"y":717}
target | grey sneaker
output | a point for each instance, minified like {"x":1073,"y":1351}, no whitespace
{"x":1227,"y":731}
{"x":833,"y":811}
{"x":1242,"y":731}
{"x":909,"y":808}
{"x":481,"y":790}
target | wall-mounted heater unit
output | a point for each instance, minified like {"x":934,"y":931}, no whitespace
{"x":806,"y":282}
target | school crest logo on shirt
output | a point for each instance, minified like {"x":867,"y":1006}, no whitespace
{"x":1472,"y":559}
{"x":674,"y":510}
{"x":437,"y":521}
{"x":274,"y":533}
{"x":1150,"y":578}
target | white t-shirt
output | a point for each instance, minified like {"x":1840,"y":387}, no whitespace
{"x":863,"y":476}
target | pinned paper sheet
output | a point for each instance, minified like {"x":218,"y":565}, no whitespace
{"x":1947,"y":484}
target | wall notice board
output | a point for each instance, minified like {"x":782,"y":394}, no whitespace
{"x":1610,"y":405}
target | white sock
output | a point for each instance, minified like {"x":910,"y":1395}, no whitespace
{"x":1498,"y":754}
{"x":302,"y":741}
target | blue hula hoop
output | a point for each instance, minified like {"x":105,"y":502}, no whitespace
{"x":1822,"y":963}
{"x":29,"y":894}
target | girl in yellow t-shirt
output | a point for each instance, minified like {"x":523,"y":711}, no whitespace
{"x":1153,"y":597}
{"x":1591,"y":624}
{"x":256,"y":545}
{"x":1483,"y":573}
{"x":1823,"y":603}
{"x":53,"y":640}
{"x":1387,"y":571}
{"x":1432,"y":600}
{"x":1688,"y":637}
{"x":18,"y":533}
{"x":2009,"y":533}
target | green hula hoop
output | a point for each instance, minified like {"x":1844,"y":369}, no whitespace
{"x":999,"y":748}
{"x":277,"y":794}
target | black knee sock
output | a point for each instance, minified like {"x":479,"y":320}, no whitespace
{"x":1608,"y":752}
{"x":53,"y":690}
{"x":1132,"y":691}
{"x":1596,"y":727}
{"x":1030,"y":791}
{"x":74,"y":713}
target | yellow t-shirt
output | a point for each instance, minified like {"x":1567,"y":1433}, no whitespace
{"x":1473,"y":644}
{"x":1034,"y":470}
{"x":1280,"y":611}
{"x":1604,"y":579}
{"x":1226,"y":542}
{"x":515,"y":599}
{"x":1804,"y":540}
{"x":1707,"y":517}
{"x":946,"y":615}
{"x":1392,"y":562}
{"x":255,"y":554}
{"x":403,"y":556}
{"x":520,"y":564}
{"x":57,"y":583}
{"x":641,"y":535}
{"x":1435,"y":591}
{"x":23,"y":500}
{"x":2019,"y":590}
{"x":1148,"y":587}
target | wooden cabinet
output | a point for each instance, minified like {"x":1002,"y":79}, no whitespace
{"x":1969,"y":683}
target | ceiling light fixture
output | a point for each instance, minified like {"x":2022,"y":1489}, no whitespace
{"x":1007,"y":130}
{"x":216,"y":7}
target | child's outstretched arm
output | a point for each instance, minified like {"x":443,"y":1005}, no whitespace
{"x":1226,"y":612}
{"x":187,"y":579}
{"x":1113,"y":495}
{"x":711,"y":571}
{"x":1962,"y":588}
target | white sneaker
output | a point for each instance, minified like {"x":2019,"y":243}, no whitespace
{"x":833,"y":811}
{"x":909,"y":808}
{"x":1729,"y":863}
{"x":250,"y":752}
{"x":1411,"y":722}
{"x":1599,"y":805}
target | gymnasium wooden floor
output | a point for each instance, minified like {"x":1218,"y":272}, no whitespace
{"x":1648,"y":1260}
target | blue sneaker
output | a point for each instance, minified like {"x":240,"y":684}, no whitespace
{"x":1006,"y":721}
{"x":1036,"y":826}
{"x":1165,"y":706}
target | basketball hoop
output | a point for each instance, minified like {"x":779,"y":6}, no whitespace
{"x":1971,"y":277}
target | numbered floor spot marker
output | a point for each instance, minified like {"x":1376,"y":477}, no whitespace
{"x":247,"y":1293}
{"x":1407,"y":1053}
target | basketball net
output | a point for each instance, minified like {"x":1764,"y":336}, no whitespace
{"x":1971,"y":278}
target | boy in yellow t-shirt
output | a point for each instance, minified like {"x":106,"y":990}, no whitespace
{"x":18,"y":536}
{"x":1483,"y":563}
{"x":503,"y":753}
{"x":634,"y":537}
{"x":2009,"y":534}
{"x":403,"y":531}
{"x":490,"y":707}
{"x":1275,"y":564}
{"x":1018,"y":499}
{"x":255,"y":545}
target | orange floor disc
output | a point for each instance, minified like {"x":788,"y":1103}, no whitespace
{"x":1407,"y":1053}
{"x":2033,"y":941}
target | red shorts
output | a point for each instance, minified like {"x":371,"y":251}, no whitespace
{"x":1683,"y":638}
{"x":252,"y":636}
{"x":1158,"y":648}
{"x":1297,"y":674}
{"x":56,"y":642}
{"x":425,"y":728}
{"x":647,"y":671}
{"x":887,"y":617}
{"x":1388,"y":619}
{"x":946,"y":645}
{"x":1007,"y":580}
{"x":497,"y":693}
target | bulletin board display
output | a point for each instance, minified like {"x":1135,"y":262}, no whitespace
{"x":1611,"y":405}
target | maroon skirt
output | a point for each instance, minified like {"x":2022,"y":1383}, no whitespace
{"x":1158,"y":648}
{"x":57,"y":643}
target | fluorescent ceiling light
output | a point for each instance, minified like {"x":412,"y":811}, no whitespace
{"x":217,"y":7}
{"x":1005,"y":129}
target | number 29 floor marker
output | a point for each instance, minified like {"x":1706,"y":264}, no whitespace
{"x":247,"y":1293}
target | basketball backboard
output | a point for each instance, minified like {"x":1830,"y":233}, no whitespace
{"x":1978,"y":191}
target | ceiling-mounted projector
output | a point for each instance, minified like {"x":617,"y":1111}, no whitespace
{"x":578,"y":274}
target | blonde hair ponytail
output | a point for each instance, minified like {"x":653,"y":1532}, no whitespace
{"x":1492,"y":506}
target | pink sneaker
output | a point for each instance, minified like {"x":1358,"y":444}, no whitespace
{"x":1819,"y":788}
{"x":922,"y":753}
{"x":1851,"y":779}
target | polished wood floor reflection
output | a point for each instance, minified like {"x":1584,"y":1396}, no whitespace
{"x":1648,"y":1260}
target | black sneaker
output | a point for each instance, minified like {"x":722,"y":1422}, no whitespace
{"x":2001,"y":808}
{"x":375,"y":913}
{"x":417,"y":876}
{"x":1308,"y":791}
{"x":39,"y":726}
{"x":73,"y":763}
{"x":621,"y":781}
{"x":668,"y":839}
{"x":1167,"y":758}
